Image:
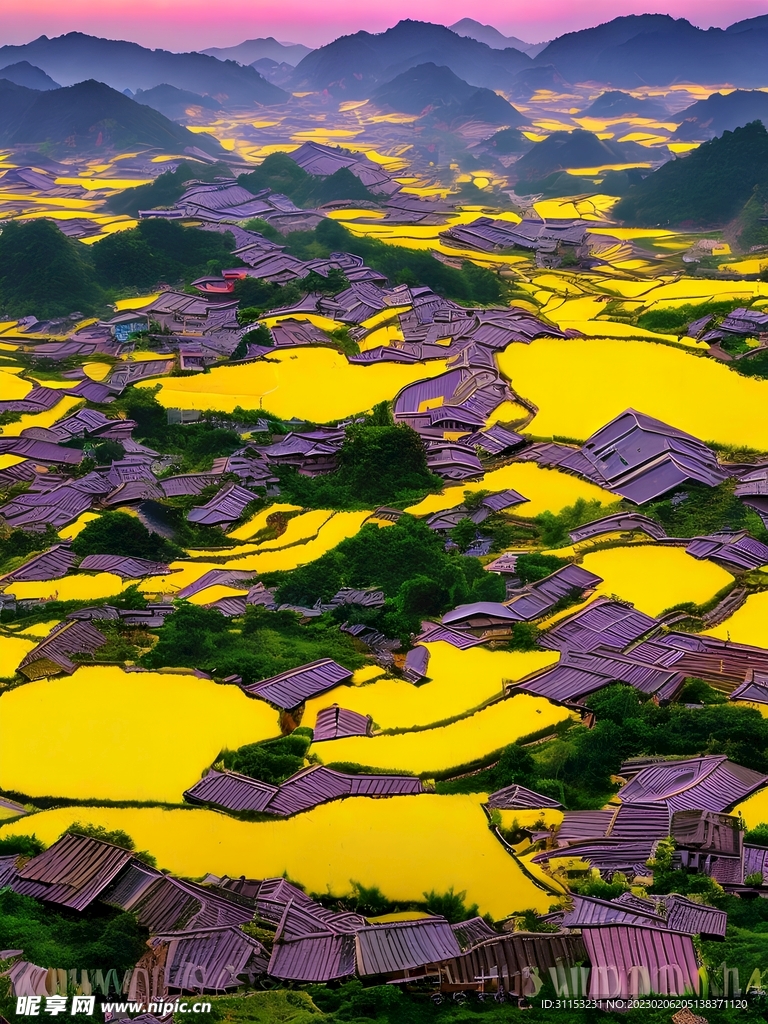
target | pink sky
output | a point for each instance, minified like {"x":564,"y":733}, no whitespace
{"x":196,"y":24}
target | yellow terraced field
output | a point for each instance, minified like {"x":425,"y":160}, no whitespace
{"x":655,"y":578}
{"x":545,"y":489}
{"x":459,"y":681}
{"x":579,"y":385}
{"x":107,"y":734}
{"x":405,"y":845}
{"x":317,"y":383}
{"x":435,"y":750}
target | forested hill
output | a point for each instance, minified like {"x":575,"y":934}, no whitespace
{"x":705,"y":189}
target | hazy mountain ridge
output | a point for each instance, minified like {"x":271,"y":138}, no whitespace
{"x":720,"y":113}
{"x":438,"y":91}
{"x":352,"y":66}
{"x":493,"y":38}
{"x":173,"y":102}
{"x":124,"y":65}
{"x":251,"y":50}
{"x":656,"y":49}
{"x":89,"y":115}
{"x":26,"y":74}
{"x":709,"y":187}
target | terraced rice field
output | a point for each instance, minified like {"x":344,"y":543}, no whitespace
{"x":449,"y":746}
{"x":546,"y":490}
{"x":579,"y":385}
{"x":405,"y":845}
{"x":459,"y":681}
{"x":747,"y":625}
{"x":316,"y":383}
{"x":151,"y":733}
{"x":655,"y":578}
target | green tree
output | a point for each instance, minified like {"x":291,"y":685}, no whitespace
{"x":272,"y":761}
{"x":464,"y":533}
{"x":117,"y":533}
{"x":42,"y":272}
{"x":710,"y":186}
{"x":450,"y":905}
{"x":160,"y":250}
{"x":260,"y":335}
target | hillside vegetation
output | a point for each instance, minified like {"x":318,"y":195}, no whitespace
{"x":707,"y":188}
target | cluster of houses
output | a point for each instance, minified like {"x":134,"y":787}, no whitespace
{"x":198,"y":931}
{"x":554,"y":243}
{"x":632,"y":945}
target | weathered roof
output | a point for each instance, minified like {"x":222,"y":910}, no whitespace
{"x":334,"y":722}
{"x":668,"y":959}
{"x":470,"y":933}
{"x":683,"y":915}
{"x":505,"y":563}
{"x":578,"y":674}
{"x":642,"y":458}
{"x":188,"y":483}
{"x":753,"y":689}
{"x":512,"y":957}
{"x":495,"y":439}
{"x":503,"y":500}
{"x":317,"y":784}
{"x":518,"y":798}
{"x":127,"y":568}
{"x":711,"y":782}
{"x":291,"y":688}
{"x":130,"y":885}
{"x":54,"y":654}
{"x":621,"y":521}
{"x":322,"y":957}
{"x":433,"y":631}
{"x":74,"y":871}
{"x":603,"y":623}
{"x":590,"y":911}
{"x":403,"y":945}
{"x":707,"y":832}
{"x":416,"y":664}
{"x":173,"y":904}
{"x":608,"y":854}
{"x":737,"y":550}
{"x":232,"y":791}
{"x":48,"y":565}
{"x":224,"y":507}
{"x":210,"y":959}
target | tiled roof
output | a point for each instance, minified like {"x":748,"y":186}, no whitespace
{"x":711,"y":782}
{"x":667,"y":957}
{"x":73,"y":872}
{"x":291,"y":688}
{"x":334,"y":722}
{"x":402,"y":945}
{"x":54,"y":654}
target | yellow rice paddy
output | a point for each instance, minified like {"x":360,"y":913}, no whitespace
{"x":434,"y":750}
{"x":12,"y":650}
{"x":579,"y":385}
{"x":340,"y":526}
{"x":103,"y":733}
{"x":315,"y":383}
{"x":71,"y":588}
{"x":747,"y":625}
{"x":459,"y":682}
{"x":654,"y":577}
{"x":405,"y":845}
{"x":259,"y":521}
{"x":754,"y":809}
{"x":546,"y":489}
